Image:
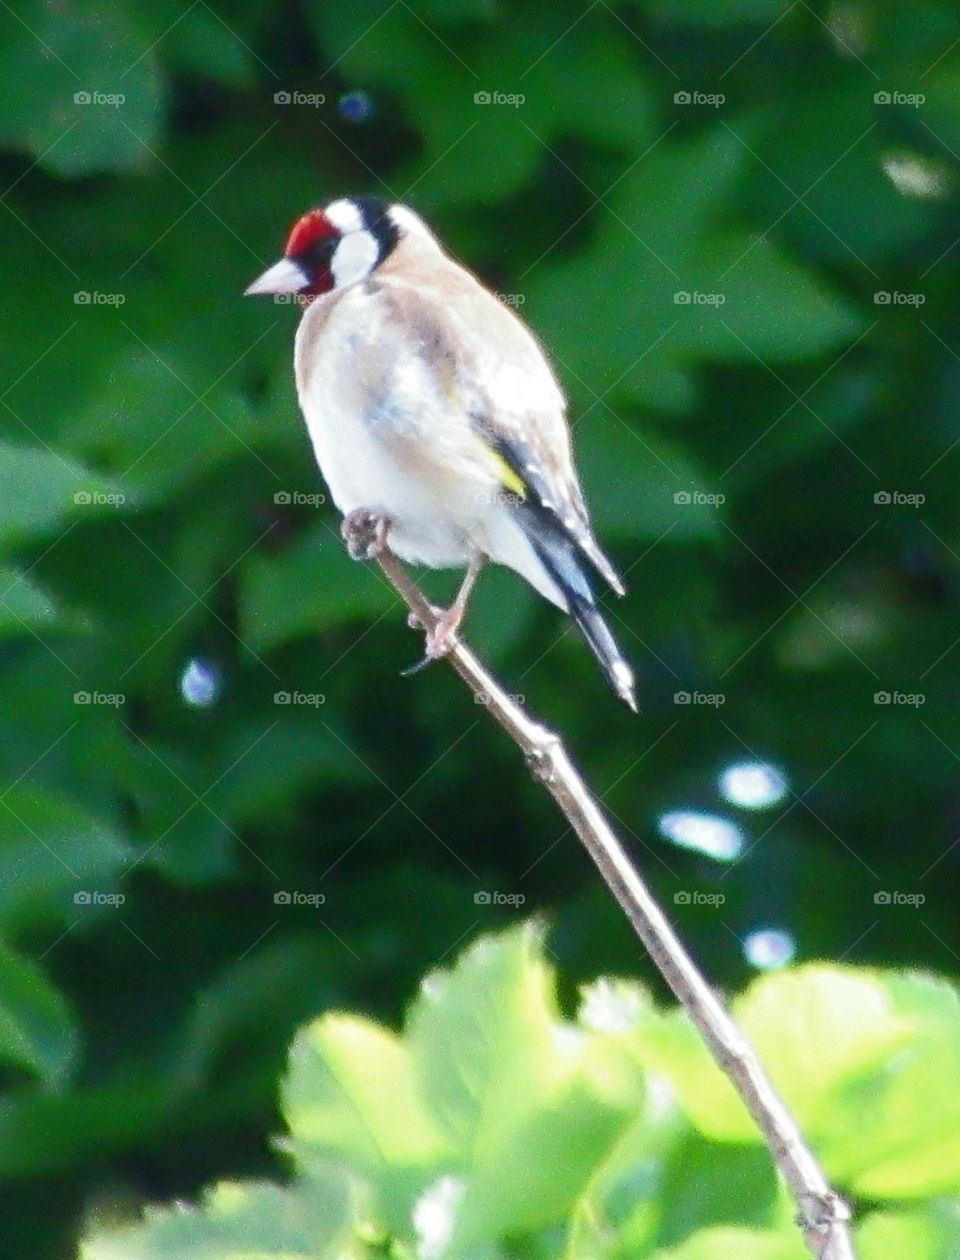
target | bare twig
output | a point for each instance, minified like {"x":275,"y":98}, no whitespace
{"x":821,"y":1213}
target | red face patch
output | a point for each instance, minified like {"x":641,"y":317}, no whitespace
{"x":307,"y":231}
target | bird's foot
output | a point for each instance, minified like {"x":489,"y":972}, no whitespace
{"x":440,"y":639}
{"x":365,"y":533}
{"x":443,"y":636}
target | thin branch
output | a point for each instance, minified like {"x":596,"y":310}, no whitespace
{"x":821,"y":1213}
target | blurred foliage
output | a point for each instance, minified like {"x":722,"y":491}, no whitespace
{"x":733,"y":224}
{"x":433,"y":1143}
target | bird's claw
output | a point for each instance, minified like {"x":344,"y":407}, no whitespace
{"x":365,"y":533}
{"x":440,"y":640}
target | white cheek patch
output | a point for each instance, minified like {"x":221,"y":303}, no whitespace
{"x":354,"y":258}
{"x":344,"y":216}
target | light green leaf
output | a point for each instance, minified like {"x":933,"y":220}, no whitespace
{"x":37,"y":1029}
{"x":744,"y":1244}
{"x":507,"y":1081}
{"x":351,"y":1094}
{"x":310,"y":1220}
{"x":930,"y":1234}
{"x":813,"y":1028}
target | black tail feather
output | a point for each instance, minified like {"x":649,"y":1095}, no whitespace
{"x":604,"y":647}
{"x":559,"y":554}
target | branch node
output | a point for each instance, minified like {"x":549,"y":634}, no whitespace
{"x":541,"y":760}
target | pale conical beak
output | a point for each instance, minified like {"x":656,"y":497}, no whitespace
{"x":283,"y":277}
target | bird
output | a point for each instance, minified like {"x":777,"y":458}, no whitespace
{"x":433,"y":411}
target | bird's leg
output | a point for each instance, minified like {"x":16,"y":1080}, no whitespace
{"x":441,"y":638}
{"x":365,"y":533}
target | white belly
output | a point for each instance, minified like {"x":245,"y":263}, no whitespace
{"x":388,"y":440}
{"x":368,"y":429}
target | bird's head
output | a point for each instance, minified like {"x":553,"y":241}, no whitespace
{"x":331,"y":248}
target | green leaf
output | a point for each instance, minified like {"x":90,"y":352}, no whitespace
{"x":311,"y":1220}
{"x":39,"y":489}
{"x":887,"y":1141}
{"x":85,"y":89}
{"x":507,"y":1080}
{"x":351,"y":1094}
{"x":309,"y":587}
{"x":932,"y":1234}
{"x":847,"y":1015}
{"x":56,"y":856}
{"x":729,"y":13}
{"x":744,"y":1244}
{"x":37,"y":1029}
{"x":24,"y":605}
{"x":676,"y":284}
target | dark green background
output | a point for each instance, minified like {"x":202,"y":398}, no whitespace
{"x":140,"y":1044}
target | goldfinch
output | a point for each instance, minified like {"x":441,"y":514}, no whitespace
{"x":431,"y":405}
